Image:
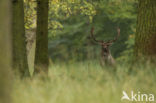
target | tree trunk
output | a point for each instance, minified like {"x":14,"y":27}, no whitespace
{"x":145,"y":42}
{"x":20,"y":62}
{"x":41,"y":53}
{"x":5,"y":51}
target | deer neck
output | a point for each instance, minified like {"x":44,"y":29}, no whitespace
{"x":105,"y":52}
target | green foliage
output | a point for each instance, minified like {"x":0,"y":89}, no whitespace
{"x":30,"y":14}
{"x":128,"y":54}
{"x":70,"y":22}
{"x":70,"y":38}
{"x":63,"y":10}
{"x":118,"y":9}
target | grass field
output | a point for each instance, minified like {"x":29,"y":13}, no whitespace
{"x":86,"y":83}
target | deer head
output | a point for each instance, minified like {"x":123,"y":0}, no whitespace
{"x":106,"y":56}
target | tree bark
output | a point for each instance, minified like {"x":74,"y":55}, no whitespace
{"x":145,"y":42}
{"x":20,"y":62}
{"x":5,"y":51}
{"x":41,"y":53}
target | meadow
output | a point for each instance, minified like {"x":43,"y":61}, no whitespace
{"x":86,"y":82}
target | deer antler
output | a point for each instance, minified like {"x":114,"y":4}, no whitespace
{"x":92,"y":35}
{"x":116,"y":38}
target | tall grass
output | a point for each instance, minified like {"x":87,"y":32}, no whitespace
{"x":86,"y":83}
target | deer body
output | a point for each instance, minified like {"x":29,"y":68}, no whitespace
{"x":106,"y":57}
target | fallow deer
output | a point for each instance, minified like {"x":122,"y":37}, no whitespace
{"x":106,"y":57}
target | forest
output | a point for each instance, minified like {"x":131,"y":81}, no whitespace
{"x":77,"y":51}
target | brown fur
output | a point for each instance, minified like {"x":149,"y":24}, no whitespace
{"x":106,"y":57}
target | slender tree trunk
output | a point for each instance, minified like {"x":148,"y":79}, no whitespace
{"x":145,"y":42}
{"x":5,"y":51}
{"x":19,"y":40}
{"x":41,"y":53}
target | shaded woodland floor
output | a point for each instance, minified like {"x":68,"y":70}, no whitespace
{"x":85,"y":82}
